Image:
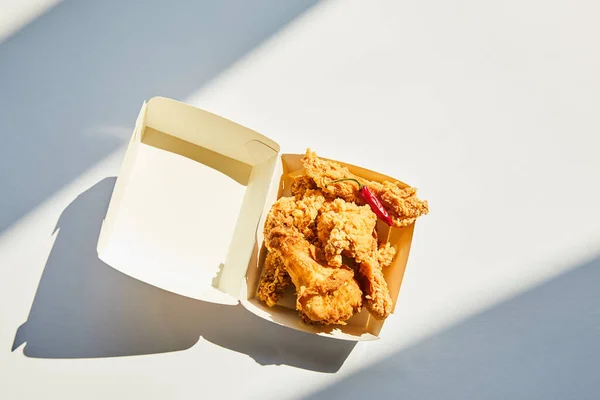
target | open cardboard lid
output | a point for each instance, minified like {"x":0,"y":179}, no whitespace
{"x":187,"y":201}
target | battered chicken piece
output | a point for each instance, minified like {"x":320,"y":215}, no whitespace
{"x":401,"y":203}
{"x":274,"y":281}
{"x":334,"y":307}
{"x":325,"y":295}
{"x":300,"y":214}
{"x":301,"y":184}
{"x":309,"y":276}
{"x":385,"y":254}
{"x":346,"y":227}
{"x":324,"y":172}
{"x":306,"y":212}
{"x":378,"y":298}
{"x":350,"y":229}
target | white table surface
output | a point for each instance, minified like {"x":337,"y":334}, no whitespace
{"x":489,"y":108}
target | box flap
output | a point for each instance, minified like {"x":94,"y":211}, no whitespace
{"x":187,"y":201}
{"x":209,"y":131}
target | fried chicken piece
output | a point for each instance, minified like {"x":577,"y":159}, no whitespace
{"x":285,"y":226}
{"x":324,"y":172}
{"x":346,"y":227}
{"x":301,"y":184}
{"x":274,"y":280}
{"x":334,"y":307}
{"x":350,"y":229}
{"x":402,"y":204}
{"x":306,"y":212}
{"x":385,"y":254}
{"x":300,"y":214}
{"x":378,"y":298}
{"x":325,"y":295}
{"x":308,"y":275}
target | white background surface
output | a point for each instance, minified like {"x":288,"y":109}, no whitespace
{"x":489,"y":108}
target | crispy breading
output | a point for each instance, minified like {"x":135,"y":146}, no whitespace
{"x":402,"y":204}
{"x":324,"y":172}
{"x":374,"y":286}
{"x":346,"y":227}
{"x":274,"y":280}
{"x":325,"y":295}
{"x":334,"y":307}
{"x":308,"y":275}
{"x":377,"y":296}
{"x":306,"y":211}
{"x":301,"y":184}
{"x":385,"y":254}
{"x":300,"y":214}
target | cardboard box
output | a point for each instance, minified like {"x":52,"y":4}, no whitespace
{"x":188,"y":209}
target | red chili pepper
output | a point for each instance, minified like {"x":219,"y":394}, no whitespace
{"x":371,"y":200}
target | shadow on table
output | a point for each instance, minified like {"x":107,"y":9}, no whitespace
{"x":83,"y":308}
{"x":543,"y":344}
{"x":73,"y":80}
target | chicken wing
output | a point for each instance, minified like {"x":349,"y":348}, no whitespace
{"x":346,"y":227}
{"x":325,"y":294}
{"x":323,"y":172}
{"x":401,"y":202}
{"x":308,"y":275}
{"x":378,"y":298}
{"x":332,"y":308}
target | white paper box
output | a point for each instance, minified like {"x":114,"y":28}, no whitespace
{"x":188,"y":208}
